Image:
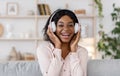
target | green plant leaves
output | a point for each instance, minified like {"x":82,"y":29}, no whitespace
{"x":110,"y":45}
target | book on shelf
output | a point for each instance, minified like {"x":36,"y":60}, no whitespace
{"x":44,"y":9}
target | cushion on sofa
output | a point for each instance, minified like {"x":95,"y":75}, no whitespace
{"x":104,"y":67}
{"x":20,"y":68}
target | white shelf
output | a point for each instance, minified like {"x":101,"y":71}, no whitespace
{"x":78,"y":15}
{"x":20,"y":39}
{"x":44,"y":16}
{"x":85,"y":16}
{"x":9,"y":17}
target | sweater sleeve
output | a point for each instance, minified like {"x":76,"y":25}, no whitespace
{"x":78,"y":63}
{"x":49,"y":60}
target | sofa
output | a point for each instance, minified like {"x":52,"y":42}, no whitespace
{"x":103,"y":67}
{"x":31,"y":68}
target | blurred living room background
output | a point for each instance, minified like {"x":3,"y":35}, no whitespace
{"x":22,"y":21}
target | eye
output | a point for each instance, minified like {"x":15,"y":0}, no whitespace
{"x":71,"y":24}
{"x":60,"y":25}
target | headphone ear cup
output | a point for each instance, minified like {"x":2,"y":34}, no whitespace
{"x":76,"y":27}
{"x":53,"y":26}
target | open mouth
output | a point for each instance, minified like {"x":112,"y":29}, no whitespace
{"x":65,"y":35}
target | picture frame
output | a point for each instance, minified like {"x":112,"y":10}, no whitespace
{"x":12,"y":8}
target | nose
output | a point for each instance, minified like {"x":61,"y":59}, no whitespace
{"x":65,"y":27}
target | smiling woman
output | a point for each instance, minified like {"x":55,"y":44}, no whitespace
{"x":61,"y":55}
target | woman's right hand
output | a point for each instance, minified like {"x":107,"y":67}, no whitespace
{"x":53,"y":38}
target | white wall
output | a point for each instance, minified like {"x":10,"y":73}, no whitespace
{"x":107,"y":10}
{"x":27,"y":24}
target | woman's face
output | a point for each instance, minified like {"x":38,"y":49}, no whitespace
{"x":65,"y":29}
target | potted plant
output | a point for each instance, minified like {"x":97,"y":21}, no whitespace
{"x":111,"y":45}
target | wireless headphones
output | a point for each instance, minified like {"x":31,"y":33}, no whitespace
{"x":53,"y":26}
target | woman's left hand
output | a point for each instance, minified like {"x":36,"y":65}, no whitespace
{"x":74,"y":42}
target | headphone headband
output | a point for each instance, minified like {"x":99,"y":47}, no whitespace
{"x":59,"y":11}
{"x":52,"y":16}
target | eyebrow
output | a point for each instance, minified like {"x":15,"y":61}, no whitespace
{"x":60,"y":22}
{"x":63,"y":22}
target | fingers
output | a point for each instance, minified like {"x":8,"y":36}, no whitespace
{"x":77,"y":37}
{"x":49,"y":33}
{"x":75,"y":41}
{"x":48,"y":30}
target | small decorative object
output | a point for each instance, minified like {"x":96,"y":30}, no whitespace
{"x":19,"y":56}
{"x":29,"y":56}
{"x":80,"y":11}
{"x":12,"y":9}
{"x":13,"y":54}
{"x":9,"y":30}
{"x":1,"y":30}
